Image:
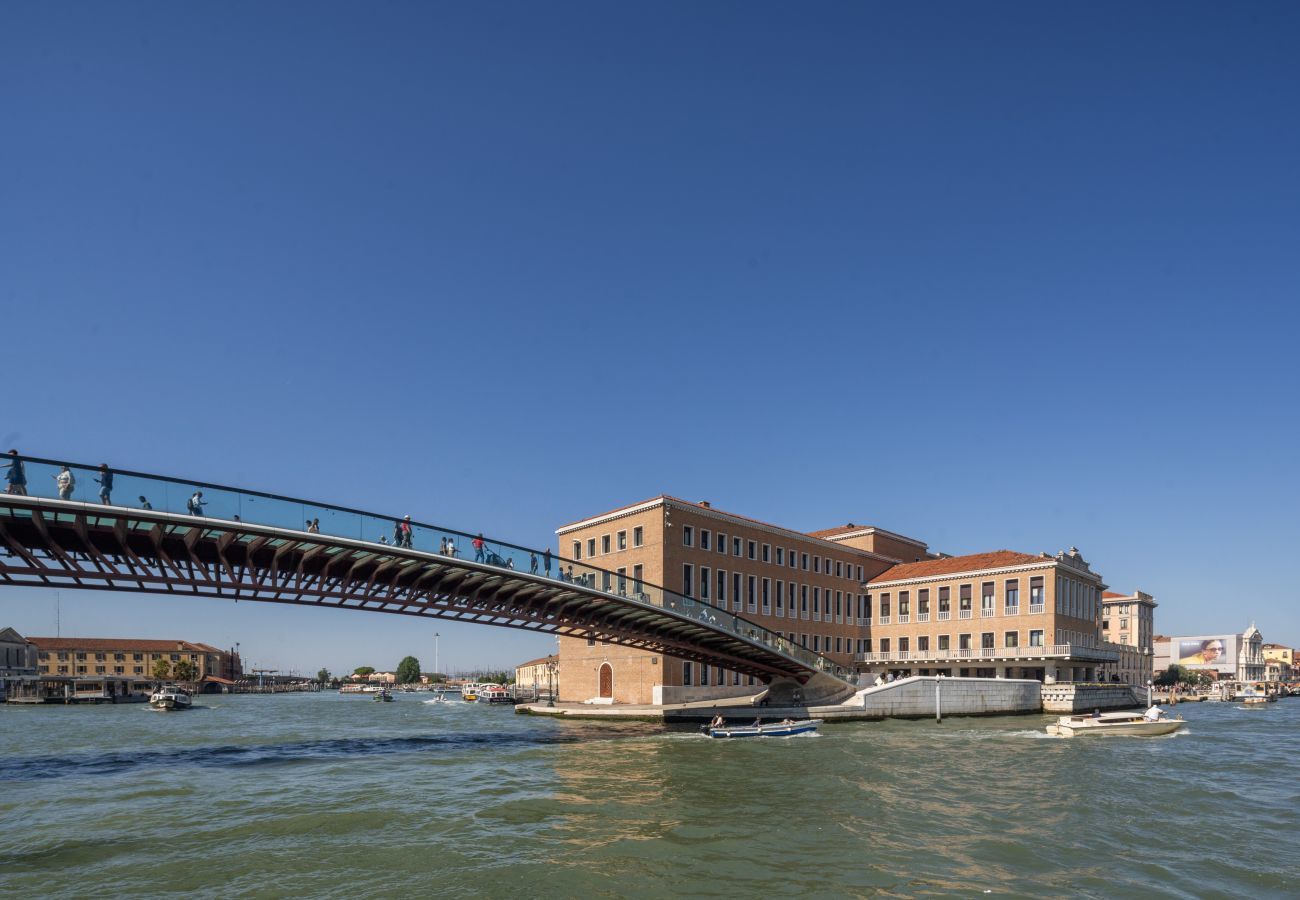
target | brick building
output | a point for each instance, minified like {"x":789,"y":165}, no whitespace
{"x":1128,"y":623}
{"x":858,"y":594}
{"x":132,"y":657}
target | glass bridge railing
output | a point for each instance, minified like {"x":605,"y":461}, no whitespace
{"x":56,"y":480}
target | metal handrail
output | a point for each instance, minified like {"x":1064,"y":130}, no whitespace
{"x":755,"y":633}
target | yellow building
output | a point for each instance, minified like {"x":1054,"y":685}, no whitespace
{"x":539,"y":675}
{"x":858,"y":594}
{"x":133,"y":657}
{"x":1128,"y":623}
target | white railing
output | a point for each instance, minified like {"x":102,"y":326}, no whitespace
{"x":986,"y":613}
{"x":922,"y":617}
{"x":1011,"y":610}
{"x":944,"y":616}
{"x":866,"y":620}
{"x":904,"y":619}
{"x":963,"y":613}
{"x":883,"y":620}
{"x":1035,"y":608}
{"x":1050,"y":651}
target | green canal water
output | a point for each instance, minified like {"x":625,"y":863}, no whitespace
{"x":329,"y":796}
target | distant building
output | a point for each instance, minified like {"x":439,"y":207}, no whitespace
{"x":132,"y":657}
{"x":17,"y":659}
{"x":382,"y":678}
{"x":1280,"y":663}
{"x":1237,"y":657}
{"x":1128,"y":623}
{"x":539,"y":674}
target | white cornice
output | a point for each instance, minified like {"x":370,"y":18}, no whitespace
{"x":611,"y":516}
{"x":872,"y":529}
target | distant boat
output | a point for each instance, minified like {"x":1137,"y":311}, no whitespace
{"x":385,"y":696}
{"x":495,"y":693}
{"x":171,"y":697}
{"x":787,"y":728}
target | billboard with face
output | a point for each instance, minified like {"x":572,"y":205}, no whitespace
{"x":1217,"y":652}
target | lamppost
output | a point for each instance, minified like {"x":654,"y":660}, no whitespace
{"x":435,"y":653}
{"x":550,"y":681}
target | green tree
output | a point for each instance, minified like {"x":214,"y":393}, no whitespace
{"x":162,"y":669}
{"x":185,"y":671}
{"x":323,"y":676}
{"x":408,"y":670}
{"x":364,"y":670}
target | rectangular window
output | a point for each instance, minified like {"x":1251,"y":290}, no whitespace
{"x":945,"y":595}
{"x":986,"y":640}
{"x":704,"y":676}
{"x":704,"y":539}
{"x":622,"y":540}
{"x":839,"y":607}
{"x":591,"y":547}
{"x":1036,"y":637}
{"x":688,"y":578}
{"x":638,"y":536}
{"x":604,"y":543}
{"x":780,"y":556}
{"x":137,"y":657}
{"x":803,"y":561}
{"x":923,"y":602}
{"x":945,"y":642}
{"x":839,"y":569}
{"x":737,"y":597}
{"x":791,"y":557}
{"x":859,"y":575}
{"x":686,"y":674}
{"x":904,"y":645}
{"x":688,"y":536}
{"x":884,"y":645}
{"x":986,"y":599}
{"x":963,"y":642}
{"x":817,"y":604}
{"x":622,"y":580}
{"x":817,"y":564}
{"x":736,"y":547}
{"x":904,"y":604}
{"x":638,"y":580}
{"x":751,"y":594}
{"x":752,"y":546}
{"x":1036,"y":592}
{"x":884,"y":609}
{"x":704,"y":582}
{"x":767,"y":596}
{"x":803,"y":600}
{"x":722,"y":548}
{"x":790,"y":601}
{"x":1011,"y":639}
{"x":964,"y":601}
{"x":839,"y":647}
{"x":1012,"y":597}
{"x":722,"y":589}
{"x":779,"y":596}
{"x":923,"y":644}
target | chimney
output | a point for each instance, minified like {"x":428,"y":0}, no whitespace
{"x":705,"y":504}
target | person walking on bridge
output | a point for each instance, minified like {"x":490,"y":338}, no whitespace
{"x":479,"y":545}
{"x":144,"y":502}
{"x":546,"y":561}
{"x":402,"y":533}
{"x":66,"y":482}
{"x":532,"y":563}
{"x":105,"y":482}
{"x":16,"y":477}
{"x":195,"y":504}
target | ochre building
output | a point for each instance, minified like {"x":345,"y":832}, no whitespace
{"x":133,"y":657}
{"x":860,"y":595}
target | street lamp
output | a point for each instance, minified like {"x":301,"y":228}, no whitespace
{"x":435,"y":653}
{"x":550,"y":681}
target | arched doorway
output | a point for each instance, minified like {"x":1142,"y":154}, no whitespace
{"x":606,"y":680}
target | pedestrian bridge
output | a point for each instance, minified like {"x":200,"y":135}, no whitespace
{"x":248,"y":545}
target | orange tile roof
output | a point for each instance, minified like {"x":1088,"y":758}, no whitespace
{"x":1111,"y":595}
{"x":541,"y":660}
{"x":951,"y":565}
{"x":132,"y":644}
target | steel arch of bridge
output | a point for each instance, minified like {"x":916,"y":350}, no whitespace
{"x":71,"y":544}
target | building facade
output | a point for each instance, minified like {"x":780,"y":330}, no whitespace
{"x":17,"y":659}
{"x":131,"y":657}
{"x":541,"y":675}
{"x":860,"y":595}
{"x":1128,"y":624}
{"x":808,"y":588}
{"x":1002,"y":614}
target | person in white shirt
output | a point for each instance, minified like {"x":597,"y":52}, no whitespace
{"x":1154,"y":714}
{"x":65,"y":483}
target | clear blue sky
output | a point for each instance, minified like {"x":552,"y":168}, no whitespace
{"x":994,"y":275}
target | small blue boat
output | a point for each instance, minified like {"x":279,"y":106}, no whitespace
{"x":786,"y":728}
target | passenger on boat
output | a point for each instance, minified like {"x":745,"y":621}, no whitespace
{"x":1096,"y":714}
{"x":718,"y":721}
{"x":1154,"y":714}
{"x":758,"y":723}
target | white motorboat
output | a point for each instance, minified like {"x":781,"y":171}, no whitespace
{"x":786,"y":728}
{"x":169,"y":696}
{"x":1134,"y":723}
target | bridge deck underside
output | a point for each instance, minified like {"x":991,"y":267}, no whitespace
{"x":48,"y":544}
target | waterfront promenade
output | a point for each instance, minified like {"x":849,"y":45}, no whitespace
{"x":322,"y":795}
